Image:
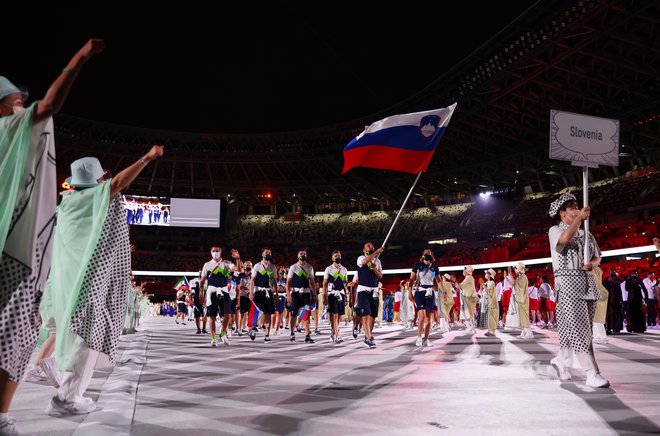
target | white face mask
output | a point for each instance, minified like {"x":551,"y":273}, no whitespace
{"x":215,"y":254}
{"x":17,"y":108}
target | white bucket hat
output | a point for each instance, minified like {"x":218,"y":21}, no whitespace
{"x":85,"y":172}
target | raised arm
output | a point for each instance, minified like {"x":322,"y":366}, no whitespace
{"x":126,"y":176}
{"x":567,"y":235}
{"x":59,"y":89}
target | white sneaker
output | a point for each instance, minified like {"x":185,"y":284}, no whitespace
{"x":602,"y":341}
{"x":339,"y":340}
{"x":595,"y":380}
{"x":332,"y":338}
{"x":419,"y":341}
{"x":51,"y":372}
{"x":529,"y":334}
{"x":562,"y":371}
{"x":225,"y":340}
{"x":57,"y":407}
{"x":35,"y":375}
{"x":8,"y":427}
{"x":427,"y":342}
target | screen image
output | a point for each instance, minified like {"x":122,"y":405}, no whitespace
{"x":147,"y":211}
{"x":194,"y":212}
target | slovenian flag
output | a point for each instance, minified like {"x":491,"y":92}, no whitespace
{"x":305,"y":312}
{"x":401,"y":142}
{"x":253,"y":315}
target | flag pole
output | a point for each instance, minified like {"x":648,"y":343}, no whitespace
{"x":403,"y":205}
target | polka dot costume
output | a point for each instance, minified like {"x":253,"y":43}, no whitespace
{"x":102,"y":301}
{"x":576,"y":297}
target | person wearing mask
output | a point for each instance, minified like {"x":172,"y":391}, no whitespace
{"x":89,"y":278}
{"x":280,"y":300}
{"x":334,"y":279}
{"x":28,"y":201}
{"x":369,"y":272}
{"x":575,"y":288}
{"x":424,"y":279}
{"x":216,"y":275}
{"x":301,"y":293}
{"x":263,"y":290}
{"x":243,"y":303}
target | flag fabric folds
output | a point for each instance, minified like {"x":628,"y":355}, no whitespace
{"x":400,"y":143}
{"x":253,"y":315}
{"x":181,"y":283}
{"x":305,"y":312}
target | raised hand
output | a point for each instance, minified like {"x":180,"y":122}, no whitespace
{"x":91,"y":47}
{"x":155,"y":152}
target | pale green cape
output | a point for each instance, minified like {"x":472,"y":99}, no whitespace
{"x":15,"y":132}
{"x":80,"y":219}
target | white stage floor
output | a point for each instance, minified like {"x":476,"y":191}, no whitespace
{"x":171,"y":382}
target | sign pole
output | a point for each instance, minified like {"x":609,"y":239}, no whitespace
{"x":585,"y":203}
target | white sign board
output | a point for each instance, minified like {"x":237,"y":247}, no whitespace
{"x":584,"y":140}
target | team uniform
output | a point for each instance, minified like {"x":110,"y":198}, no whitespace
{"x":336,"y":277}
{"x":426,"y":274}
{"x":301,"y":294}
{"x":280,"y":300}
{"x":217,"y":292}
{"x":244,"y":293}
{"x":265,"y":287}
{"x":367,"y":289}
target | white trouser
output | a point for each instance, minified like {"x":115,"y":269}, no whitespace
{"x":82,"y":370}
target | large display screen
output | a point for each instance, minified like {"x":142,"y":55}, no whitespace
{"x":147,"y":211}
{"x":175,"y":212}
{"x":194,"y":212}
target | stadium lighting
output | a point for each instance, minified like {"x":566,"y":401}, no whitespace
{"x":485,"y":194}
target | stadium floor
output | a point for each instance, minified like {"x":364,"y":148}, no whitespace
{"x":169,"y":381}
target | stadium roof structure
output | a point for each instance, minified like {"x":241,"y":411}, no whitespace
{"x":596,"y":57}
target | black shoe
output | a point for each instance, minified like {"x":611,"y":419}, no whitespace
{"x":286,"y":327}
{"x":369,"y":343}
{"x":205,"y":332}
{"x":267,"y":339}
{"x":299,"y":329}
{"x":317,"y":332}
{"x":355,"y":333}
{"x":176,"y":321}
{"x":253,"y":335}
{"x":309,"y":340}
{"x":292,"y":338}
{"x":199,"y":332}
